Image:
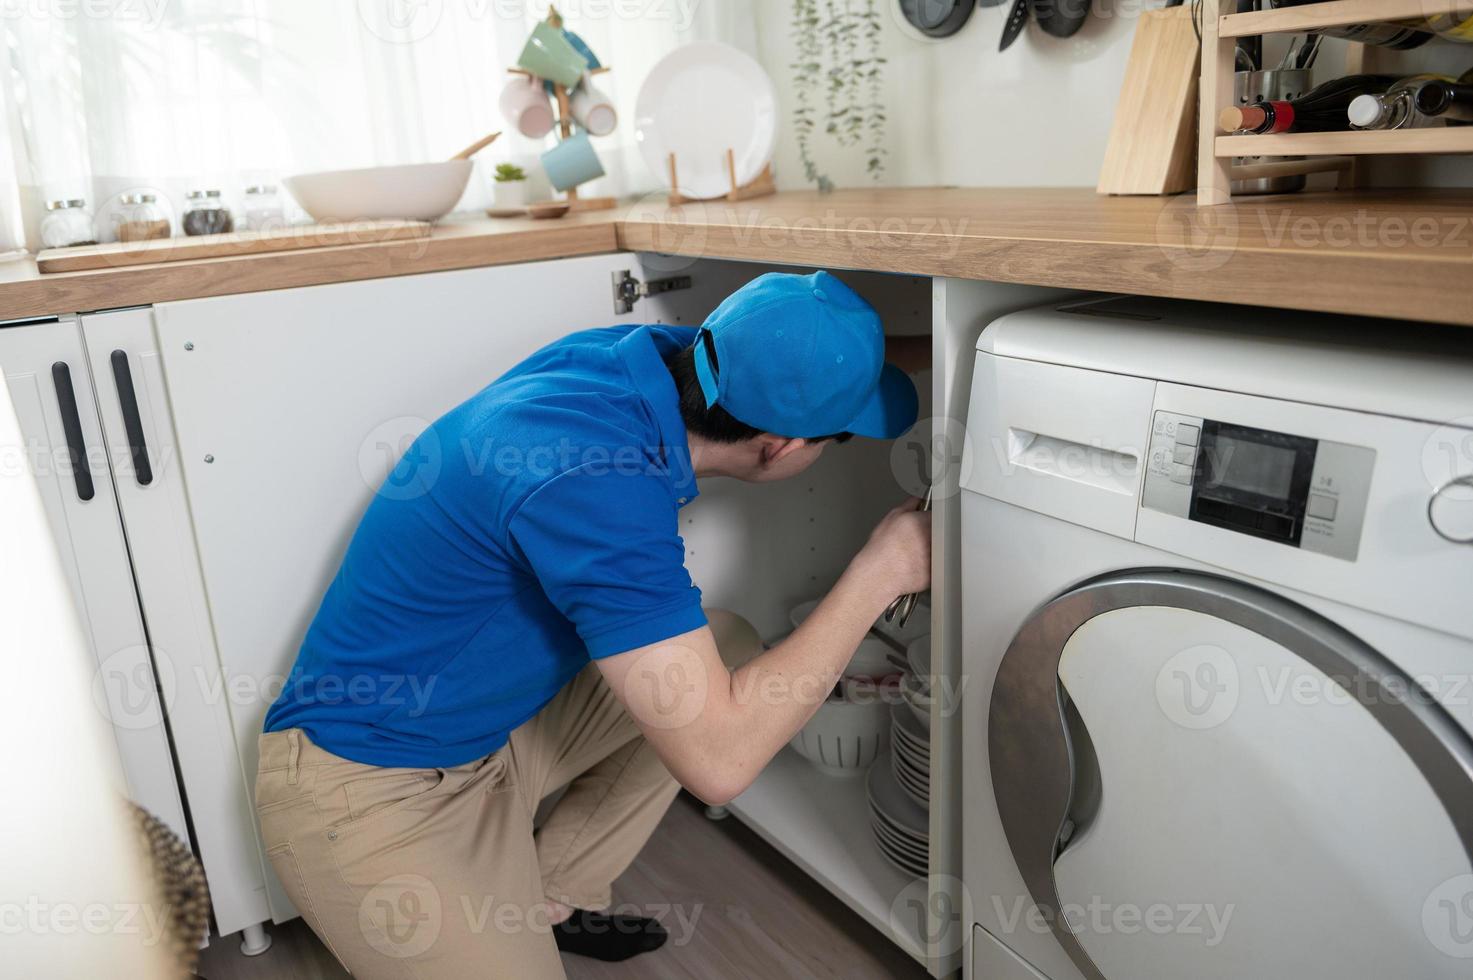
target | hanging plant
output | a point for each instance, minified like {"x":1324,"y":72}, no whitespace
{"x":838,"y":51}
{"x":806,"y":71}
{"x":872,"y":71}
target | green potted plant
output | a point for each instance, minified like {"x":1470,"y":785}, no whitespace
{"x":510,"y":188}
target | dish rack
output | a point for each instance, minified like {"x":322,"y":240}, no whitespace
{"x":1325,"y":151}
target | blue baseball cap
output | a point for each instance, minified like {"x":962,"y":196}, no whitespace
{"x":803,"y":356}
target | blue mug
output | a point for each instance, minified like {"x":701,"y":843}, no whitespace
{"x":572,"y":162}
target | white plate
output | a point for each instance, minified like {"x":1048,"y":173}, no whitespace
{"x":908,"y":723}
{"x":918,"y":655}
{"x":890,"y":802}
{"x":698,"y":101}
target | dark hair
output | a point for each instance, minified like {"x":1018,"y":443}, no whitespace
{"x":715,"y":423}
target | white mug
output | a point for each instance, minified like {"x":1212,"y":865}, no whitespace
{"x":526,"y":107}
{"x":593,"y":109}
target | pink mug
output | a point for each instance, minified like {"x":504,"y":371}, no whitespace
{"x":526,"y":108}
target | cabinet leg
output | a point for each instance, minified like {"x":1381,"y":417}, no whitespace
{"x":717,"y":813}
{"x":255,"y":940}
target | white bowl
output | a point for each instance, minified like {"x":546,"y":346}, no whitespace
{"x":844,"y":738}
{"x":412,"y":191}
{"x":872,"y":659}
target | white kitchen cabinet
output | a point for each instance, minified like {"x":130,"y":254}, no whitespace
{"x":75,"y":466}
{"x":269,"y":419}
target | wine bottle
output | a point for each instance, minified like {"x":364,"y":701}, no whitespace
{"x":1452,"y":101}
{"x":1393,"y":109}
{"x":1321,"y":109}
{"x":1389,"y":35}
{"x":1453,"y":27}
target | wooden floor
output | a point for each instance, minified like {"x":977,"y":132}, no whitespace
{"x":755,"y":915}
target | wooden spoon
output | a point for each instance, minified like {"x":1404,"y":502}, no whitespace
{"x":476,"y":147}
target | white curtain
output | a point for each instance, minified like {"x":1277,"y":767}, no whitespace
{"x":103,"y":97}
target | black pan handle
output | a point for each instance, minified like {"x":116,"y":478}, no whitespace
{"x":71,"y":428}
{"x":132,"y":422}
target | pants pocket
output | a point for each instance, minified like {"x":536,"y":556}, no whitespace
{"x":283,"y":858}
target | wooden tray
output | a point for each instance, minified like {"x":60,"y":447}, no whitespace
{"x":115,"y":254}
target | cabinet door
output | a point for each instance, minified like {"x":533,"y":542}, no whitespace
{"x":291,"y":406}
{"x":46,"y":370}
{"x":133,"y":405}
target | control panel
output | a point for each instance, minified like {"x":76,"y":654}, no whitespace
{"x":1294,"y":490}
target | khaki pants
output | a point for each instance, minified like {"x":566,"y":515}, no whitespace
{"x":431,"y":873}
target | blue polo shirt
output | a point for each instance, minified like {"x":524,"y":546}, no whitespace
{"x":528,"y":530}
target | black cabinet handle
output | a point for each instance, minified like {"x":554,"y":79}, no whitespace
{"x":132,"y":422}
{"x":71,"y":428}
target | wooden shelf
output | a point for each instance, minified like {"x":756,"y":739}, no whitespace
{"x":1335,"y":13}
{"x":821,"y":823}
{"x":1451,"y":139}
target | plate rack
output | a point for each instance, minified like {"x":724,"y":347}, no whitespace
{"x":1325,"y":151}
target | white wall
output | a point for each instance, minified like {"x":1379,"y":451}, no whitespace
{"x":1037,"y":115}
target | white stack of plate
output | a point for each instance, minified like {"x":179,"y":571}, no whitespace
{"x":901,"y":825}
{"x":915,"y":686}
{"x":910,"y":755}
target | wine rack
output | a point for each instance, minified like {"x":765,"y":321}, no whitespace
{"x":1323,"y":151}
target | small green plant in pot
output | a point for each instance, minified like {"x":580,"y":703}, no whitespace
{"x":510,"y":187}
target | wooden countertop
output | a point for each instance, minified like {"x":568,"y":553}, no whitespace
{"x":1405,"y":254}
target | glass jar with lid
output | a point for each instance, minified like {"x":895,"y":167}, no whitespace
{"x":67,"y":223}
{"x":263,"y":210}
{"x":205,"y":213}
{"x":140,"y":219}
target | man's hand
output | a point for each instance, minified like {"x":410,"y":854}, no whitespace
{"x":898,"y":553}
{"x":715,"y":730}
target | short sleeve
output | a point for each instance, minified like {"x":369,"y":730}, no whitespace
{"x":606,"y":547}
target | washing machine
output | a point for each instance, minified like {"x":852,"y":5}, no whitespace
{"x":1217,"y":671}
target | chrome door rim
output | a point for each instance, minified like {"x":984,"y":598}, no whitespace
{"x":1032,"y":757}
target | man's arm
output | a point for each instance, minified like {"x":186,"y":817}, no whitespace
{"x":715,"y":730}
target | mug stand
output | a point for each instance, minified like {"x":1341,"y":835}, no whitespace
{"x":565,"y":129}
{"x":759,"y":186}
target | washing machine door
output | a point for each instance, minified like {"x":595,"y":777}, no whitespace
{"x":1201,"y":779}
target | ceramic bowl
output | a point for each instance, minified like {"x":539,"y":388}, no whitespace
{"x":412,"y":191}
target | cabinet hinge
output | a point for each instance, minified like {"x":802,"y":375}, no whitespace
{"x":629,"y":290}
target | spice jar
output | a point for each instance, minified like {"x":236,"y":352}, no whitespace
{"x":205,"y":214}
{"x":67,"y":223}
{"x":141,"y":219}
{"x":263,"y":210}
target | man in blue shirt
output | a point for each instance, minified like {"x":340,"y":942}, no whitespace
{"x":513,"y":616}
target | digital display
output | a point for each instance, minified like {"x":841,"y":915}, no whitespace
{"x":1253,"y":467}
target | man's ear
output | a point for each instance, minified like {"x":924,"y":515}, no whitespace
{"x":776,"y":448}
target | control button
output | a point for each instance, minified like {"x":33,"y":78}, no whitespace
{"x":1187,"y":434}
{"x":1182,"y":474}
{"x":1185,"y":454}
{"x":1322,"y":507}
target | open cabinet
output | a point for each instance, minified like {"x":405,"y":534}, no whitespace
{"x":269,"y":419}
